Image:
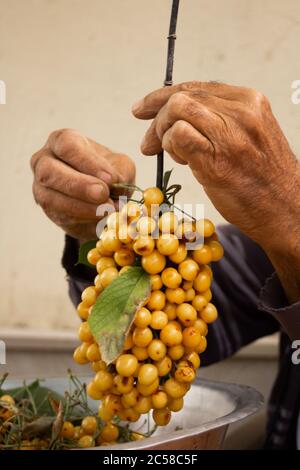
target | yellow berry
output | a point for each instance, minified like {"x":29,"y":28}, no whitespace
{"x":209,"y":314}
{"x":205,"y":228}
{"x":153,"y":196}
{"x":126,"y":365}
{"x":186,"y":313}
{"x":217,"y":251}
{"x":110,"y":432}
{"x":85,"y":442}
{"x":162,"y":416}
{"x":170,"y":335}
{"x":159,"y":320}
{"x":103,"y":380}
{"x":93,"y":256}
{"x":202,"y":282}
{"x":175,"y":389}
{"x":93,"y":392}
{"x":185,"y":372}
{"x":131,"y":415}
{"x":93,"y":353}
{"x":147,"y":390}
{"x":89,"y":296}
{"x":83,"y":310}
{"x":147,"y":374}
{"x":145,"y":225}
{"x":175,"y":404}
{"x":110,"y":242}
{"x":67,"y":430}
{"x":130,"y":211}
{"x":190,"y":294}
{"x":130,"y":399}
{"x":124,"y":384}
{"x":98,"y":365}
{"x":164,"y":366}
{"x":202,"y":345}
{"x":176,"y":352}
{"x":154,"y":263}
{"x":104,"y":263}
{"x":186,"y":231}
{"x":188,"y":269}
{"x":113,"y":221}
{"x":170,"y":310}
{"x":89,"y":425}
{"x":193,"y":358}
{"x":156,"y":282}
{"x":159,"y":400}
{"x":144,"y":404}
{"x":79,"y":355}
{"x":142,"y":337}
{"x":202,"y":255}
{"x":124,"y":257}
{"x":102,"y":250}
{"x":171,"y":278}
{"x":84,"y":332}
{"x":199,"y":302}
{"x":108,"y":275}
{"x":168,"y":222}
{"x":201,"y":326}
{"x":157,"y":300}
{"x":191,"y":337}
{"x":179,"y":255}
{"x":156,"y":350}
{"x":140,"y":353}
{"x":144,"y":245}
{"x":167,"y":244}
{"x":142,"y":317}
{"x":128,"y":344}
{"x":175,"y":296}
{"x":207,"y":294}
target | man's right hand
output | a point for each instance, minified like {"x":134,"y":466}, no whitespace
{"x":72,"y":175}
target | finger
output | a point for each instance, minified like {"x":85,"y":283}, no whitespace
{"x":75,"y":149}
{"x":148,"y":107}
{"x":188,"y":144}
{"x":183,"y":107}
{"x":55,"y":174}
{"x":55,"y":202}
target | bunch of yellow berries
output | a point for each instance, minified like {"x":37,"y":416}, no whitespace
{"x":161,"y":351}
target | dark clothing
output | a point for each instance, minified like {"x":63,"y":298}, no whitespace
{"x":251,"y":304}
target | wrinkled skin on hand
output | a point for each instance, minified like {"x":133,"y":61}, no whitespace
{"x":72,"y":177}
{"x":235,"y":148}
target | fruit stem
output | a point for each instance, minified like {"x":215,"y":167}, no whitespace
{"x":168,"y":81}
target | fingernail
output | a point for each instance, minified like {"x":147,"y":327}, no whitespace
{"x":95,"y":192}
{"x":106,"y":177}
{"x":137,"y":106}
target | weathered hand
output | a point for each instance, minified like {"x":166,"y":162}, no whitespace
{"x":235,"y":148}
{"x":72,"y":175}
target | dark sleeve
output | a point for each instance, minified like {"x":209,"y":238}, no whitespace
{"x":238,"y":280}
{"x":78,"y":276}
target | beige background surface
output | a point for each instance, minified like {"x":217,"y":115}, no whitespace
{"x":81,"y":64}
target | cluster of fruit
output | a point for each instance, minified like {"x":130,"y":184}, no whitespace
{"x":161,"y":352}
{"x":89,"y":432}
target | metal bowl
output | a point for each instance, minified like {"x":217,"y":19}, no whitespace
{"x":210,"y":407}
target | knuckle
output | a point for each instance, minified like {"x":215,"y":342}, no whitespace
{"x":180,"y":134}
{"x":43,"y":171}
{"x":34,"y":159}
{"x":258,"y":99}
{"x":176,"y":102}
{"x":187,"y":86}
{"x":66,"y":141}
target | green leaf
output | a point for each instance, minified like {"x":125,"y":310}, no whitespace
{"x":37,"y":394}
{"x":167,"y":177}
{"x":83,"y":251}
{"x":114,"y":311}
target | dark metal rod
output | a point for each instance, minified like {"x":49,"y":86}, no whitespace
{"x":168,"y":81}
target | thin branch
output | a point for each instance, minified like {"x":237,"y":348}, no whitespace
{"x":168,"y":81}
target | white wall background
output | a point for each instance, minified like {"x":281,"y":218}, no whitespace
{"x":81,"y":64}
